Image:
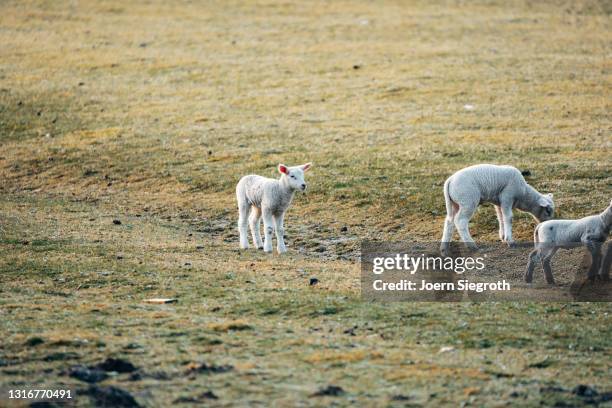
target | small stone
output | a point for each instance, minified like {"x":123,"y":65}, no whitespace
{"x":209,"y":368}
{"x":135,"y":376}
{"x":584,"y":391}
{"x":313,"y":281}
{"x":116,"y":222}
{"x":60,"y":356}
{"x":133,"y":346}
{"x":111,"y":396}
{"x":34,"y":341}
{"x":89,"y":375}
{"x":116,"y":364}
{"x":208,"y":395}
{"x":330,"y":390}
{"x":350,"y":331}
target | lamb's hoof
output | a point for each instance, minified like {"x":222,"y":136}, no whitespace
{"x":472,"y":246}
{"x":511,"y":244}
{"x":551,"y":283}
{"x":267,"y":250}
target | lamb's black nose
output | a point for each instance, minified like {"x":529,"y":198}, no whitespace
{"x":303,"y":186}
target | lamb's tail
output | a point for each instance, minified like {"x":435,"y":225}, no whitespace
{"x":241,"y":197}
{"x":536,"y":235}
{"x":447,"y":200}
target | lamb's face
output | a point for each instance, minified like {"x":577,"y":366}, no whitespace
{"x":295,"y":175}
{"x":546,"y":209}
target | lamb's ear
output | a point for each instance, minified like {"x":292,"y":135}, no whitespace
{"x":306,"y":167}
{"x":544,"y":202}
{"x":283,"y":169}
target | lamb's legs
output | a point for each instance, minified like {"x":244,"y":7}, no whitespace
{"x":594,"y":248}
{"x":254,"y":221}
{"x":507,"y":221}
{"x":449,"y":228}
{"x":533,"y":258}
{"x":268,"y":229}
{"x":280,"y":233}
{"x":462,"y":220}
{"x":604,"y":272}
{"x":243,"y":213}
{"x":500,"y":221}
{"x":546,"y":255}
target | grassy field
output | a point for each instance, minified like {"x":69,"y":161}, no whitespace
{"x":148,"y":112}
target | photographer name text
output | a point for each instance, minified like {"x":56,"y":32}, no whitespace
{"x":461,"y":285}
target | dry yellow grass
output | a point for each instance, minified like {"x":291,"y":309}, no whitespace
{"x":150,"y":111}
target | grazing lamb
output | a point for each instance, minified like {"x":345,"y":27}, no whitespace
{"x":270,"y":198}
{"x":504,"y":186}
{"x":590,"y":232}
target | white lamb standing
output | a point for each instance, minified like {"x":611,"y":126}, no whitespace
{"x":504,"y":186}
{"x":590,"y":232}
{"x":270,"y":198}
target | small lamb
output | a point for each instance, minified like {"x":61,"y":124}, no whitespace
{"x":504,"y":186}
{"x":270,"y":198}
{"x":590,"y":232}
